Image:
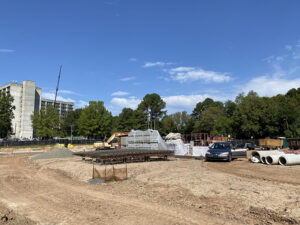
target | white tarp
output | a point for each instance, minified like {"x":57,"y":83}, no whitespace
{"x":148,"y":139}
{"x":200,"y":150}
{"x":178,"y":147}
{"x":173,"y":136}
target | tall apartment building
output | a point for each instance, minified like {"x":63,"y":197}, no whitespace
{"x":27,"y":99}
{"x":63,"y":107}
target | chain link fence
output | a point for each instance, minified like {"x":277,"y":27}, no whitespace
{"x":47,"y":142}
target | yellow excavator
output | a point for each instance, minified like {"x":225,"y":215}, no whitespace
{"x":99,"y":145}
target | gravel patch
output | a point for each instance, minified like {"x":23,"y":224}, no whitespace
{"x":58,"y":152}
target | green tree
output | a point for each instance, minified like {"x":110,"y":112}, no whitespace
{"x":200,"y":107}
{"x":180,"y":119}
{"x":167,"y":125}
{"x":126,"y":120}
{"x":6,"y":114}
{"x":130,"y":119}
{"x":290,"y":113}
{"x":70,"y":122}
{"x":46,"y":123}
{"x":95,"y":120}
{"x":152,"y":105}
{"x":208,"y":119}
{"x":239,"y":98}
{"x":222,"y":126}
{"x":247,"y":117}
{"x":230,"y":107}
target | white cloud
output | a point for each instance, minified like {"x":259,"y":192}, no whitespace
{"x":133,"y":59}
{"x":117,"y":104}
{"x":288,"y":47}
{"x":286,"y":64}
{"x":184,"y":74}
{"x":51,"y":96}
{"x":270,"y":86}
{"x":177,"y":103}
{"x":184,"y":101}
{"x":119,"y":93}
{"x":153,"y":64}
{"x":131,"y":102}
{"x":181,"y":69}
{"x":127,"y":78}
{"x":67,"y":92}
{"x":3,"y":50}
{"x":81,"y":104}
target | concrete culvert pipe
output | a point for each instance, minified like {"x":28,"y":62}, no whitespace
{"x":260,"y":154}
{"x":289,"y":159}
{"x":273,"y":159}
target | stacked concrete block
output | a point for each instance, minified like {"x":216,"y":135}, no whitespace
{"x":148,"y":140}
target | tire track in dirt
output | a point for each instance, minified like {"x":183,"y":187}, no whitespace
{"x":46,"y":203}
{"x":245,"y":169}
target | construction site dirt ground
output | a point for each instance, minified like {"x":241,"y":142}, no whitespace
{"x":178,"y":191}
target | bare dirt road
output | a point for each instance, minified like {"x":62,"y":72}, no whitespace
{"x":182,"y":191}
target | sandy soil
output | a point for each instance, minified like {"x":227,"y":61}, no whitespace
{"x":179,"y":191}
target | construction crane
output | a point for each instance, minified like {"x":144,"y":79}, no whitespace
{"x":57,"y":85}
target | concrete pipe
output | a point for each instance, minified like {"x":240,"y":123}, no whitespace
{"x":289,"y":159}
{"x":260,"y":155}
{"x":273,"y":159}
{"x":263,"y":159}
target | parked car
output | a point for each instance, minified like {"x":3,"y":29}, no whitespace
{"x":224,"y":151}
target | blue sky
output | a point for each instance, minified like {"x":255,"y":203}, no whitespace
{"x":117,"y":51}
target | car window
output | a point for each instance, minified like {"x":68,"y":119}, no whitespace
{"x":220,"y":146}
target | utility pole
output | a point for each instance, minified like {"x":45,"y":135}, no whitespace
{"x":71,"y":134}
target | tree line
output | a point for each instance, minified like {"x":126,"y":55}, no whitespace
{"x":247,"y":116}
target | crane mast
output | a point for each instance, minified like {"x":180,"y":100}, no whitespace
{"x":57,"y":86}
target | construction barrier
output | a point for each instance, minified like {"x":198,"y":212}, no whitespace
{"x":111,"y":173}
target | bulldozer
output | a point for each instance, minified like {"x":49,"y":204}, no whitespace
{"x":110,"y":143}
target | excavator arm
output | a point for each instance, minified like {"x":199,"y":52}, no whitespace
{"x":107,"y":144}
{"x":117,"y":134}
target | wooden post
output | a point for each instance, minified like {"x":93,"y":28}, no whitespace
{"x":126,"y":172}
{"x":105,"y":174}
{"x":93,"y":171}
{"x":114,"y":172}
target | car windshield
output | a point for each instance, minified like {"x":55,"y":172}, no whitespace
{"x":220,"y":146}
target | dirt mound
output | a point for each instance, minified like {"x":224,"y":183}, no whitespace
{"x":58,"y":152}
{"x":265,"y":216}
{"x":8,"y":217}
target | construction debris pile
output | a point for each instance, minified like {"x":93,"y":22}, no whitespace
{"x":175,"y":143}
{"x":276,"y":157}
